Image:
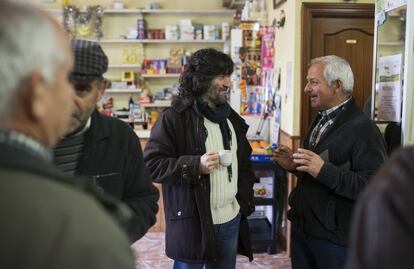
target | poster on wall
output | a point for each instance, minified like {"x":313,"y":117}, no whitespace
{"x":255,"y":100}
{"x":251,"y":56}
{"x":268,"y":55}
{"x":268,"y":40}
{"x":389,"y":95}
{"x":389,"y":88}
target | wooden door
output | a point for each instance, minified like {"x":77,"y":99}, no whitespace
{"x":346,"y":30}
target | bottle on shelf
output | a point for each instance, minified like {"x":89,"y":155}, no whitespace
{"x":146,"y":119}
{"x":131,"y":118}
{"x":133,"y":57}
{"x":125,"y":55}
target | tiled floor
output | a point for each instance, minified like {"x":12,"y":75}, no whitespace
{"x":150,"y":255}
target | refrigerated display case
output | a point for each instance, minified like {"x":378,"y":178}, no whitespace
{"x":393,"y":80}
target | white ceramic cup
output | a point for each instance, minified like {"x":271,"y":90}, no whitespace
{"x":225,"y":157}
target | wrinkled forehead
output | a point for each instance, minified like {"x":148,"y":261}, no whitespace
{"x":316,"y":70}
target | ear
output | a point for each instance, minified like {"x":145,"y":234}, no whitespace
{"x":337,"y":85}
{"x":34,"y":97}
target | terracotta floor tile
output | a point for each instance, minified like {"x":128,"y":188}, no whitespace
{"x":150,"y":255}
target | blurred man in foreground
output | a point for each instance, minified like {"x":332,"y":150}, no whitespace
{"x":45,"y":222}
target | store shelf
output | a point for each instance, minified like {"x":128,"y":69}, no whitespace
{"x":158,"y":103}
{"x":159,"y":41}
{"x":391,"y":44}
{"x":160,"y":76}
{"x":124,"y":66}
{"x":263,"y":201}
{"x":115,"y":91}
{"x":143,"y":133}
{"x":120,"y":41}
{"x":190,"y":41}
{"x":122,"y":11}
{"x":265,"y":230}
{"x":117,"y":22}
{"x":180,"y":12}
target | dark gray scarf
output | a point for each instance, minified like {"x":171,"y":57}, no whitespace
{"x":219,"y":115}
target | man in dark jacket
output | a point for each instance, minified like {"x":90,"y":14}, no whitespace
{"x":341,"y":151}
{"x":206,"y":203}
{"x":103,"y":148}
{"x":383,"y":225}
{"x":45,"y":221}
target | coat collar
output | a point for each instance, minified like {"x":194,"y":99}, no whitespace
{"x":16,"y":158}
{"x":180,"y":104}
{"x":98,"y":128}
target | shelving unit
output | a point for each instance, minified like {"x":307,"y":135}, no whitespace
{"x":391,"y":44}
{"x":165,"y":103}
{"x":160,"y":41}
{"x":131,"y":66}
{"x":189,"y":11}
{"x":123,"y":91}
{"x":265,"y":232}
{"x":116,"y":25}
{"x":160,"y":76}
{"x":114,"y":45}
{"x":162,"y":11}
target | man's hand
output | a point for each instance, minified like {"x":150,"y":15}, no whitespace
{"x":283,"y":156}
{"x":208,"y":162}
{"x":308,"y":161}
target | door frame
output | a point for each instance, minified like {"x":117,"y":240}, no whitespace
{"x":325,"y":10}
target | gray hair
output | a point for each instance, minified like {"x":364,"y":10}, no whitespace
{"x":28,"y":43}
{"x":337,"y":68}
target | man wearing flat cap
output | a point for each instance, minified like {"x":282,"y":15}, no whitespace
{"x":103,"y":148}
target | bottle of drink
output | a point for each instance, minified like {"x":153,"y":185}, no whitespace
{"x":145,"y":124}
{"x":131,"y":118}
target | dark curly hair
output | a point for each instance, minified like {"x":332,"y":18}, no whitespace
{"x":203,"y":66}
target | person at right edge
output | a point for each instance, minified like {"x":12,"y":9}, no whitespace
{"x":382,"y":234}
{"x":206,"y":203}
{"x":342,"y":150}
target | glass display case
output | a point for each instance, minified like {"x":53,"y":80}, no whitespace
{"x":393,"y":92}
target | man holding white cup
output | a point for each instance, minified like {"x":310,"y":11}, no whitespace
{"x":198,"y":150}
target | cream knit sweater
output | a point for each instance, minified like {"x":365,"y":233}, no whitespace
{"x":224,"y":206}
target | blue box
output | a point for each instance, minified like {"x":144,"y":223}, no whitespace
{"x":256,"y":158}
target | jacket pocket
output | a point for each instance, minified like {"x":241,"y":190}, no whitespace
{"x":180,"y":214}
{"x":109,"y":183}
